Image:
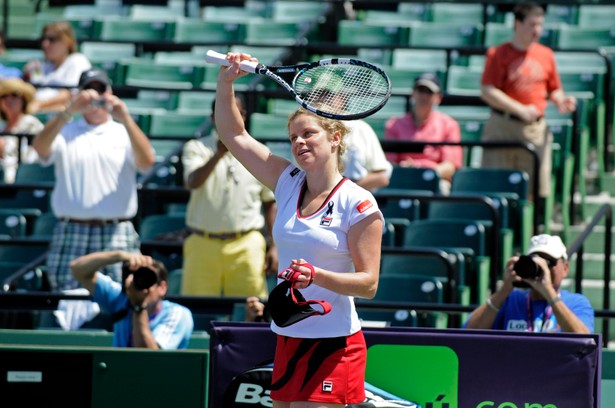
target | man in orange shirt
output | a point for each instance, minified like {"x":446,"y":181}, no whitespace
{"x":518,"y":78}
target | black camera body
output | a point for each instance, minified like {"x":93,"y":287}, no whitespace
{"x":143,"y":278}
{"x":526,"y":268}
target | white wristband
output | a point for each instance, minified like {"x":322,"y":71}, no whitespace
{"x":556,"y":299}
{"x":492,"y":306}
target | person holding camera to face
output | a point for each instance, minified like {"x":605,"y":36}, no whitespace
{"x":96,"y":158}
{"x":543,"y":306}
{"x":141,"y":315}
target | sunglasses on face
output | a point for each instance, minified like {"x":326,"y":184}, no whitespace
{"x":51,"y":38}
{"x":100,"y":88}
{"x":13,"y":95}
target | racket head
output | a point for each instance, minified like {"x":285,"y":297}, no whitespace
{"x":342,"y":88}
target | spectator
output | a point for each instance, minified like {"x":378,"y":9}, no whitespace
{"x":519,"y":76}
{"x":142,"y":318}
{"x":364,"y":159}
{"x":546,"y":307}
{"x":15,"y":98}
{"x":96,"y":159}
{"x":7,"y":71}
{"x":62,"y":67}
{"x":225,"y":219}
{"x":424,"y":124}
{"x":325,"y":219}
{"x":256,"y":311}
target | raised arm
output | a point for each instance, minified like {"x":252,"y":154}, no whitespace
{"x":85,"y":267}
{"x":230,"y":126}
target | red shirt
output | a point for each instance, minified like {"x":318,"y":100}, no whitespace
{"x":438,"y":127}
{"x":526,"y":76}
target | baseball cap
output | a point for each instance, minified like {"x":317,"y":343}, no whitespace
{"x":287,"y":305}
{"x":551,"y":245}
{"x":429,"y":80}
{"x":93,"y":75}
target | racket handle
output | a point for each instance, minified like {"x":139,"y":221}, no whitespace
{"x":214,"y":57}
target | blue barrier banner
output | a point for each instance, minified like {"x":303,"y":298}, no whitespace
{"x":443,"y":368}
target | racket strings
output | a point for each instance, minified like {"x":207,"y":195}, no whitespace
{"x":343,"y":89}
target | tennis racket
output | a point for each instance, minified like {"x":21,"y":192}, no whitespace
{"x":337,"y":88}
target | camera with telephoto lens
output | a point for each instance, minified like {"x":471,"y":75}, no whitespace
{"x":143,"y":278}
{"x":526,"y":268}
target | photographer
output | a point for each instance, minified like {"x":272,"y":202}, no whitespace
{"x":142,"y":318}
{"x":96,"y":156}
{"x":542,"y":308}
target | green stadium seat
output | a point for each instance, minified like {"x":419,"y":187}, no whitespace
{"x":444,"y":35}
{"x":596,"y":16}
{"x":416,"y":179}
{"x":298,"y":12}
{"x":174,"y":282}
{"x":233,"y":14}
{"x":12,"y":224}
{"x":266,"y":125}
{"x":463,"y":81}
{"x":420,"y":60}
{"x":407,"y":288}
{"x":20,"y":27}
{"x":562,"y":14}
{"x":414,"y":11}
{"x":272,"y":33}
{"x":145,"y":73}
{"x":385,"y":17}
{"x":195,"y":102}
{"x":454,"y":13}
{"x":156,"y":13}
{"x":360,"y":34}
{"x":480,"y":213}
{"x":447,"y":270}
{"x":125,"y":29}
{"x":377,"y":56}
{"x":507,"y":183}
{"x":586,"y":38}
{"x":44,"y":225}
{"x":195,"y":30}
{"x":34,"y":173}
{"x":466,"y":239}
{"x":175,"y":125}
{"x":108,"y":56}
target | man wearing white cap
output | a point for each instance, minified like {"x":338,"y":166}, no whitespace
{"x":545,"y":307}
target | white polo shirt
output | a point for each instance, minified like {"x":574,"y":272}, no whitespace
{"x":95,"y":171}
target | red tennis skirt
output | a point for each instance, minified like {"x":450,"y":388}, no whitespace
{"x":330,"y":370}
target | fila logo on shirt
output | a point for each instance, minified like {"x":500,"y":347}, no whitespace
{"x":327,"y":386}
{"x":327,"y":217}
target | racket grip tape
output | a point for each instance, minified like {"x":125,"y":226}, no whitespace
{"x":214,"y":57}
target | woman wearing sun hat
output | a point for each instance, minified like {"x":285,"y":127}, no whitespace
{"x":15,"y":99}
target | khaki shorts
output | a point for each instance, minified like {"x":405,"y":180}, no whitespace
{"x":500,"y":128}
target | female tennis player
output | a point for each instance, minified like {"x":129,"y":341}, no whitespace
{"x":328,"y":230}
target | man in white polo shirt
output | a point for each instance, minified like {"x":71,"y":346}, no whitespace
{"x":96,"y":158}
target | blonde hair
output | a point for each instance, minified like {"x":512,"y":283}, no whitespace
{"x":331,"y":126}
{"x":65,"y":31}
